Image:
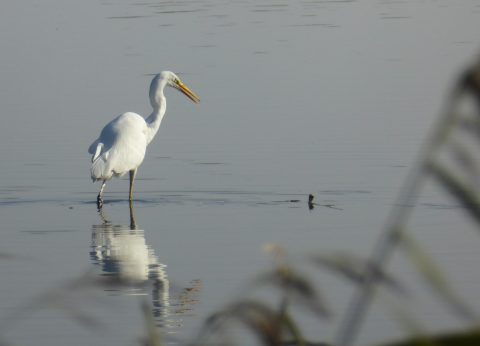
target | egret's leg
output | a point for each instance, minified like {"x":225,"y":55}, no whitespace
{"x":100,"y":195}
{"x":133,"y":172}
{"x":133,"y":224}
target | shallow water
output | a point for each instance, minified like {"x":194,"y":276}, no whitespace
{"x":331,"y":98}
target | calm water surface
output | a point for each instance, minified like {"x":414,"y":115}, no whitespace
{"x":324,"y":97}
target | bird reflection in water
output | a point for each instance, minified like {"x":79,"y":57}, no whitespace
{"x":122,"y":251}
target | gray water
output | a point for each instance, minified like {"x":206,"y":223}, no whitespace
{"x":331,"y":98}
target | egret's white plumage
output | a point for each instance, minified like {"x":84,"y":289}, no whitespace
{"x":121,"y":146}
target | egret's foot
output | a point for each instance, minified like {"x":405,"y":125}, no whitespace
{"x":99,"y":202}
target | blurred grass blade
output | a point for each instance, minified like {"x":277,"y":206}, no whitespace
{"x":271,"y":327}
{"x":354,"y":269}
{"x":465,"y":159}
{"x":68,"y":297}
{"x":405,"y":318}
{"x":257,"y":317}
{"x":457,"y":189}
{"x":471,"y":126}
{"x":293,"y":329}
{"x":435,"y":278}
{"x":296,"y":287}
{"x":466,"y":338}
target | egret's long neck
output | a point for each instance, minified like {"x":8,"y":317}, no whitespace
{"x":155,"y":119}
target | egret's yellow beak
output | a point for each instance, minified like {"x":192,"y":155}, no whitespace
{"x":190,"y":94}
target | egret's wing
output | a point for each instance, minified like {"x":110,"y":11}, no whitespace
{"x":120,"y":147}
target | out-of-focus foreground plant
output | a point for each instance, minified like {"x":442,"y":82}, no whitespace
{"x":450,"y":157}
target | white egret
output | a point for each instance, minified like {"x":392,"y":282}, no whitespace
{"x":123,"y":141}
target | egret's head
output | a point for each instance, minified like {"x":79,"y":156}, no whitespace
{"x":168,"y":78}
